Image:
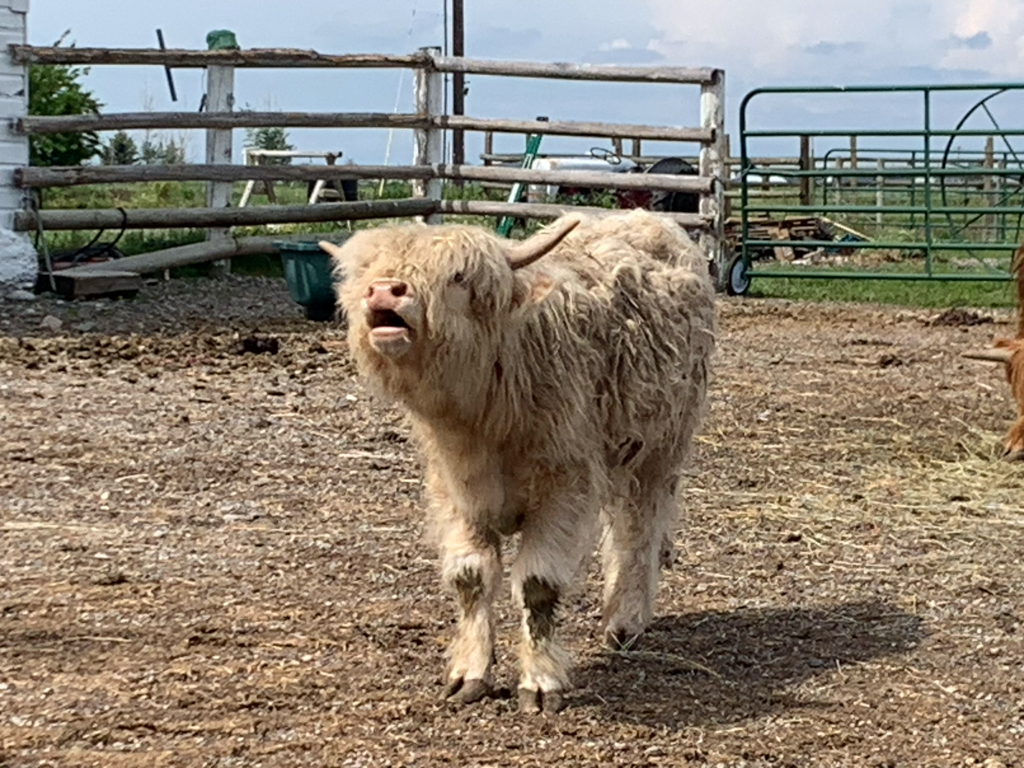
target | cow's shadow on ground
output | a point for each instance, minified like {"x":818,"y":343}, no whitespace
{"x":709,"y":668}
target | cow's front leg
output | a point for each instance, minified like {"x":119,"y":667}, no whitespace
{"x":548,"y":558}
{"x":1013,"y":444}
{"x":472,"y":570}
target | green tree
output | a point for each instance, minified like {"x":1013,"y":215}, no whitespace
{"x":161,"y":152}
{"x":120,"y":150}
{"x":269,"y":138}
{"x":55,"y":89}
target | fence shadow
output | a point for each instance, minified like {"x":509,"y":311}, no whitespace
{"x":719,"y":667}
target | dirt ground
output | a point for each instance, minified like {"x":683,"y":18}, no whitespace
{"x":214,"y":557}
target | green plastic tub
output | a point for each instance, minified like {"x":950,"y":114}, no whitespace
{"x":307,"y":270}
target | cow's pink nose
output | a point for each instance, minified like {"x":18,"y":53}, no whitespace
{"x":384,"y":294}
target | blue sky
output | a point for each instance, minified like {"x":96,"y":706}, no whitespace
{"x":758,"y":43}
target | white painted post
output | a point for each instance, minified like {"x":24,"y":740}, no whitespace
{"x":18,"y":264}
{"x":250,"y":185}
{"x":220,"y":97}
{"x":712,"y":164}
{"x":428,"y":149}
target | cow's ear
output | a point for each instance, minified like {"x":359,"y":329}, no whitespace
{"x":531,"y":289}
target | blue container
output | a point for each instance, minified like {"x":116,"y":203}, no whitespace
{"x":307,"y":270}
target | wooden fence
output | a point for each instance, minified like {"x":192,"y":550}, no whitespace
{"x":427,"y":172}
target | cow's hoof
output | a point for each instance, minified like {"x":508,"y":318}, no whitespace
{"x":533,"y":701}
{"x":621,"y":640}
{"x":1013,"y":454}
{"x":468,"y":691}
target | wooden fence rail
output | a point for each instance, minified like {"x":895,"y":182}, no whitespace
{"x":559,"y":71}
{"x":546,"y":211}
{"x":45,"y":125}
{"x":127,"y":121}
{"x":157,"y":218}
{"x":292,"y":58}
{"x":76,"y":175}
{"x":289,"y":58}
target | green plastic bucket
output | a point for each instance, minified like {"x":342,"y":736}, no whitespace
{"x":222,"y":40}
{"x":307,"y":270}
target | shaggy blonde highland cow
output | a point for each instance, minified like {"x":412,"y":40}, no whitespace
{"x":552,"y":397}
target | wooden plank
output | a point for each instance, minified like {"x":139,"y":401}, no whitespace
{"x":66,"y":176}
{"x":563,"y":71}
{"x":103,"y":281}
{"x":579,"y":128}
{"x":197,"y":253}
{"x":293,"y":58}
{"x":155,"y":218}
{"x":181,"y":58}
{"x":548,"y":211}
{"x":599,"y":179}
{"x":125,"y":121}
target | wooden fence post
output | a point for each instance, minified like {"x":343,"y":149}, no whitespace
{"x":488,"y":147}
{"x":712,"y":165}
{"x":428,"y":149}
{"x":220,"y":97}
{"x":806,"y":164}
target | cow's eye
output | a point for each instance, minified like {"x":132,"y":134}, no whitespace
{"x":458,"y":277}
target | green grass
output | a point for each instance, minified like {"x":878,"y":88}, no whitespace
{"x":903,"y":293}
{"x":907,"y":228}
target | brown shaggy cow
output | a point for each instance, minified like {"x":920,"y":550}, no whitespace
{"x":1013,"y":444}
{"x":552,"y":397}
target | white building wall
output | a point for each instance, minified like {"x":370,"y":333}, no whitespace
{"x":18,"y":264}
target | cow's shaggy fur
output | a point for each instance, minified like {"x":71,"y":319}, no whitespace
{"x":552,"y":401}
{"x":1013,"y":443}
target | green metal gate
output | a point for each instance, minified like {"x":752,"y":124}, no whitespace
{"x":927,"y":209}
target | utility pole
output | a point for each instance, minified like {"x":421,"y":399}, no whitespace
{"x":458,"y":83}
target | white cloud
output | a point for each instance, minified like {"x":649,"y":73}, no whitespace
{"x":616,"y":45}
{"x":1002,"y":21}
{"x":792,"y":39}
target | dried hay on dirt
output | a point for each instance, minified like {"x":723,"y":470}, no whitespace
{"x":213,"y":556}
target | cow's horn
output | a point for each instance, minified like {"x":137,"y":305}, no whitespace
{"x":989,"y":355}
{"x":331,"y":248}
{"x":528,"y":251}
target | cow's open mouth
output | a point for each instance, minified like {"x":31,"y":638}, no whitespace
{"x":382,"y":319}
{"x":389,"y":333}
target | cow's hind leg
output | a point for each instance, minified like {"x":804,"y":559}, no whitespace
{"x":472,"y":570}
{"x":548,"y":558}
{"x":636,"y":530}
